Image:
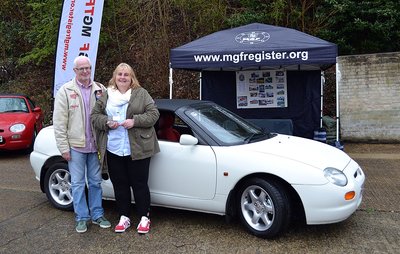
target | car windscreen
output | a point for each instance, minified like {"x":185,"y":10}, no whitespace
{"x":11,"y":104}
{"x":224,"y":126}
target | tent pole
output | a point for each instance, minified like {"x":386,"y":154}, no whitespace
{"x":338,"y":77}
{"x":322,"y":97}
{"x":170,"y":81}
{"x":200,"y":83}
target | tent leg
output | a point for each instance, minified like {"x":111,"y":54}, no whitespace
{"x":322,"y":97}
{"x":338,"y":77}
{"x":170,"y":82}
{"x":200,"y":84}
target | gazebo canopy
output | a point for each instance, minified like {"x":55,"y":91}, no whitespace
{"x":223,"y":54}
{"x":255,"y":46}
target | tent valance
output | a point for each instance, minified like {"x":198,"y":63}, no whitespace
{"x":257,"y":46}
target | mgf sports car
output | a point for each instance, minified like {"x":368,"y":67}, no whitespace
{"x":213,"y":161}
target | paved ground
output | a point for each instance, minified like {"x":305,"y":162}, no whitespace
{"x":29,"y":224}
{"x":382,"y":188}
{"x":377,"y":151}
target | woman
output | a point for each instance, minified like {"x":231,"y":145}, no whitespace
{"x":123,"y":122}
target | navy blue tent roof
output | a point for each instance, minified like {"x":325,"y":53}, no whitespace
{"x":255,"y":46}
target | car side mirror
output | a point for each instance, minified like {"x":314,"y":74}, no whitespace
{"x":188,"y":140}
{"x":37,"y":109}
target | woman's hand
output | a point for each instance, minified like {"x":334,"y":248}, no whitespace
{"x":128,"y":123}
{"x":112,"y":124}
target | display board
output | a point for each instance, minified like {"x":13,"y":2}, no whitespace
{"x":261,"y":89}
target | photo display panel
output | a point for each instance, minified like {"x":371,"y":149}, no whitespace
{"x":261,"y":89}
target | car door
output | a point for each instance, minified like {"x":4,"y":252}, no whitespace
{"x":182,"y":172}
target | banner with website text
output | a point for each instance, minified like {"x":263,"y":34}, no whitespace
{"x":78,"y":34}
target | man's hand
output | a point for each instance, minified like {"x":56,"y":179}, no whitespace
{"x":66,"y":156}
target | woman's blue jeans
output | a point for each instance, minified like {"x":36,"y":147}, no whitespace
{"x":84,"y":166}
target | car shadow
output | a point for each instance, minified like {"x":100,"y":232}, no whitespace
{"x":13,"y":154}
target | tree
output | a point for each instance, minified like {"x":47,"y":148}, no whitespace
{"x":143,"y":32}
{"x":44,"y":17}
{"x":361,"y":27}
{"x":309,"y":16}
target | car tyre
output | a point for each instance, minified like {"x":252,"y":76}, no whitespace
{"x":57,"y":185}
{"x":30,"y":148}
{"x":264,"y":207}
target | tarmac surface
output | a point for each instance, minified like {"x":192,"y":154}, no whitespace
{"x":29,"y":224}
{"x":382,"y":187}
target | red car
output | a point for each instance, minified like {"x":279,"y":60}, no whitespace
{"x":20,"y":122}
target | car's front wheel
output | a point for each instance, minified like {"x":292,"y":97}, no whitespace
{"x":30,"y":148}
{"x":263,"y":207}
{"x":57,"y":184}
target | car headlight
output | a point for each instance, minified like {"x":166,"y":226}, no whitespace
{"x":335,"y":176}
{"x":17,"y":127}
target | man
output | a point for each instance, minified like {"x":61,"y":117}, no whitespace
{"x":74,"y":138}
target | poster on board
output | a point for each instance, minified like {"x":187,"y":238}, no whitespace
{"x":261,"y":89}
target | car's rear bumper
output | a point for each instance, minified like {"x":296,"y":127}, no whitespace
{"x":37,"y":161}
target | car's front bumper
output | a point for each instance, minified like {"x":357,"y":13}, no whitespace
{"x":15,"y":141}
{"x":15,"y":145}
{"x":324,"y":204}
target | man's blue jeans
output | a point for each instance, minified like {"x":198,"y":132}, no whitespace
{"x":77,"y":167}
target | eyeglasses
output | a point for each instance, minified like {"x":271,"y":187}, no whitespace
{"x":83,"y":69}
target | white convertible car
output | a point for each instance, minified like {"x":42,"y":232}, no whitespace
{"x":213,"y":161}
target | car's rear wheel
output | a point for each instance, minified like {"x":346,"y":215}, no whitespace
{"x":57,"y":184}
{"x":263,"y":207}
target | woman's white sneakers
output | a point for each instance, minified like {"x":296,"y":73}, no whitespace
{"x":124,"y":224}
{"x":144,"y":225}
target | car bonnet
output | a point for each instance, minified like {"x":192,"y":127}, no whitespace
{"x":307,"y":151}
{"x":7,"y":119}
